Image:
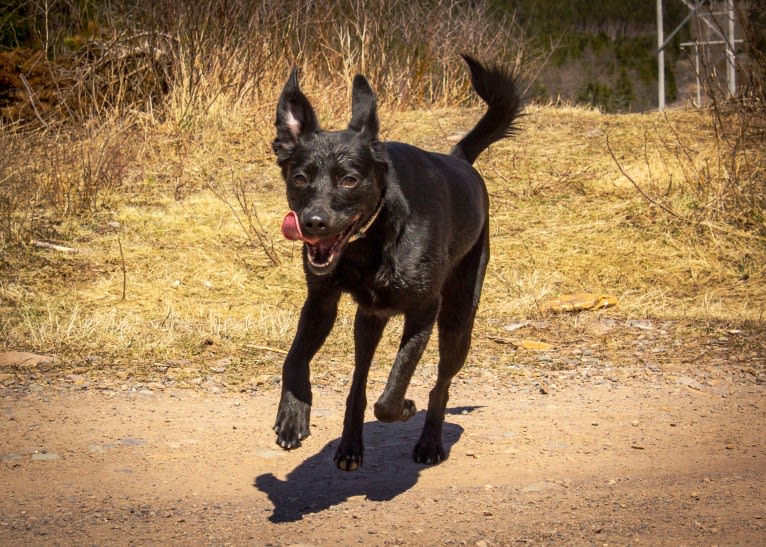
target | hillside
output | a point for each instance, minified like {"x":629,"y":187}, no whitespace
{"x":187,"y":250}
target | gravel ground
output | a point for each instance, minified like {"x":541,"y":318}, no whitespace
{"x":626,"y":433}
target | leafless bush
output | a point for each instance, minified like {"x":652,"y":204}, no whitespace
{"x":722,"y":186}
{"x":246,"y":214}
{"x":79,"y":175}
{"x":731,"y":186}
{"x":58,"y":174}
{"x":109,"y":64}
{"x":17,"y":196}
{"x":182,"y":58}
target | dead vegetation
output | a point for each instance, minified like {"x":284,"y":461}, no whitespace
{"x":166,"y":189}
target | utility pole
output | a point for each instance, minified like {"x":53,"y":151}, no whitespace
{"x":731,"y":69}
{"x":660,"y":59}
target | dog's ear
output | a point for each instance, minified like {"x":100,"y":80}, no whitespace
{"x":295,"y":118}
{"x":364,"y":109}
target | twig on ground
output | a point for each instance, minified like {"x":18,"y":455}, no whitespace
{"x":124,"y":270}
{"x":634,"y":183}
{"x":54,"y":247}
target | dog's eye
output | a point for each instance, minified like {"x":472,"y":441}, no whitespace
{"x":349,"y":181}
{"x":299,"y":179}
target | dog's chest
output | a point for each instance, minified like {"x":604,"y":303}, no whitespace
{"x":378,"y":289}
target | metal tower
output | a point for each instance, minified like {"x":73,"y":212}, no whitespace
{"x":719,"y":25}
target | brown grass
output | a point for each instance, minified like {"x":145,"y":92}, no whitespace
{"x":166,"y":187}
{"x":199,"y":287}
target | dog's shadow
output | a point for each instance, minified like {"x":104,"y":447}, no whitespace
{"x":388,"y":470}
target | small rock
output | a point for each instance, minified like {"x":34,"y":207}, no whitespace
{"x":263,"y":379}
{"x":26,"y":360}
{"x":132,"y":441}
{"x":223,"y":363}
{"x":515,"y":326}
{"x":45,"y":457}
{"x":542,"y":486}
{"x":7,"y":378}
{"x":638,"y":324}
{"x":690,"y":383}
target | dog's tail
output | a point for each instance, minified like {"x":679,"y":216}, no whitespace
{"x":498,"y":87}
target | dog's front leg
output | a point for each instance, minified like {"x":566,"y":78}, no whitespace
{"x":392,"y":406}
{"x":317,"y":318}
{"x":368,"y":329}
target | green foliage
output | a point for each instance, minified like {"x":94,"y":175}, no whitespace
{"x":49,"y":26}
{"x":614,"y":38}
{"x":556,"y":17}
{"x":15,"y":28}
{"x":610,"y":99}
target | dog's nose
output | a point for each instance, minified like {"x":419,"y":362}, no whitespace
{"x":316,"y":223}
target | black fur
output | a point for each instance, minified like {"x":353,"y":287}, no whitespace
{"x":424,"y":255}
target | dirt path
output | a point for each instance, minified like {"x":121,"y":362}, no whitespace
{"x":596,"y":455}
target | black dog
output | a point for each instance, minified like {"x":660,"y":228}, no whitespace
{"x":400,"y":229}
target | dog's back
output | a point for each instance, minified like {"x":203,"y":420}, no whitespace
{"x":445,"y":183}
{"x":449,"y":183}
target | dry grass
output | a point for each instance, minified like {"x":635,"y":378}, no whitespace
{"x":198,"y":287}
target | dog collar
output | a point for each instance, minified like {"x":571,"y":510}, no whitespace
{"x":363,"y":230}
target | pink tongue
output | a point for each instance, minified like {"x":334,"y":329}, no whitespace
{"x":291,"y":229}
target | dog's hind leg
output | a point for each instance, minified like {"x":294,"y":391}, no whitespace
{"x":460,"y":299}
{"x":368,"y":329}
{"x":418,"y":324}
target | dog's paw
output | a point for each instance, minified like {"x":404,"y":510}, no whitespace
{"x":348,"y":457}
{"x":385,"y":412}
{"x":292,"y":425}
{"x":408,"y":410}
{"x":429,"y":453}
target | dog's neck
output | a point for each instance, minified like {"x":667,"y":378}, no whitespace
{"x":363,"y":230}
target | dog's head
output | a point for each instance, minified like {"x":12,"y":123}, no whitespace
{"x":335,"y":179}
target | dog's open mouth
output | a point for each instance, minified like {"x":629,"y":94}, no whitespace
{"x":322,"y":253}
